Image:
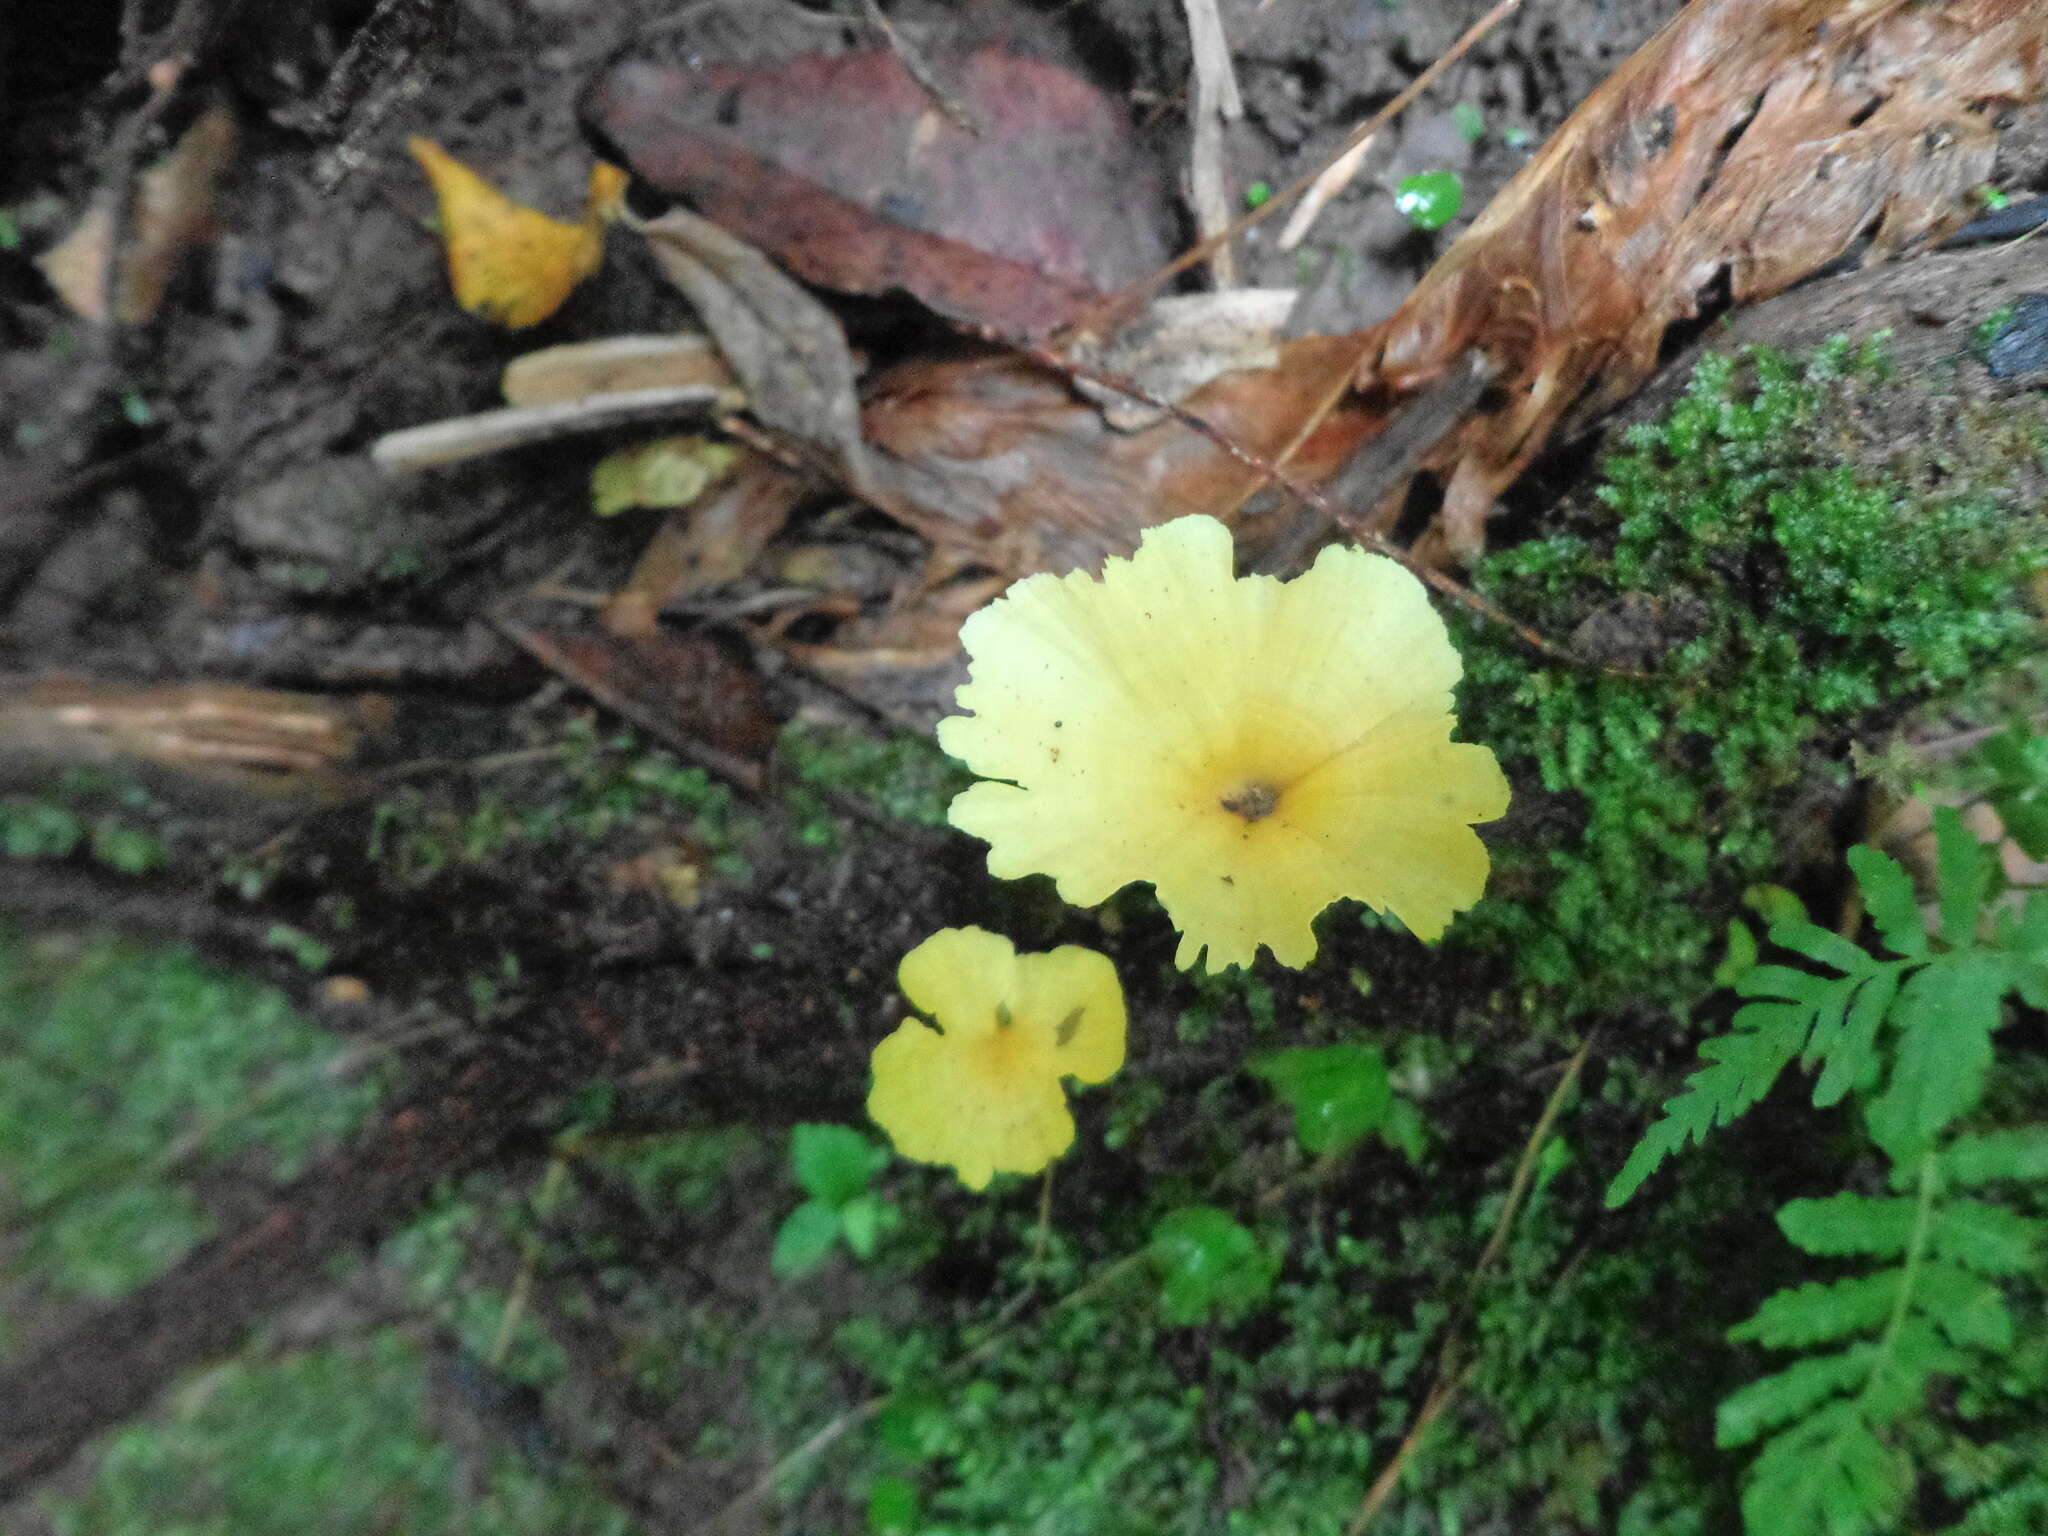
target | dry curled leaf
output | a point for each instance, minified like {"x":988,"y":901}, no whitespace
{"x":173,"y":212}
{"x":509,"y":263}
{"x":1745,"y":147}
{"x":787,"y":348}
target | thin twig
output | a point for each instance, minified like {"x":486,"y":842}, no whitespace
{"x":919,"y":68}
{"x":1451,"y":1378}
{"x":529,"y":1260}
{"x":457,"y":438}
{"x":1115,"y":310}
{"x":1216,"y":101}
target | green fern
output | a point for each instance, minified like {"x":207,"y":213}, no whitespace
{"x":1936,"y":1310}
{"x":1909,"y":1034}
{"x":1942,"y":993}
{"x":2021,"y":1510}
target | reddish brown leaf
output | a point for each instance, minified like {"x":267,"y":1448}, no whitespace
{"x":846,"y":171}
{"x":688,"y":694}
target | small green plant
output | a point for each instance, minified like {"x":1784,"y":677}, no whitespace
{"x":2016,"y":764}
{"x":1943,"y":994}
{"x":1908,"y":1033}
{"x":1430,"y":200}
{"x":1340,"y":1094}
{"x":1208,"y":1263}
{"x":834,"y":1164}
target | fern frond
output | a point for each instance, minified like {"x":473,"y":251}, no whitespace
{"x":1878,"y":1225}
{"x":1846,"y":1048}
{"x":2021,"y":1510}
{"x":1966,"y":1307}
{"x":1889,"y":898}
{"x":1790,"y":1394}
{"x":1966,"y":873}
{"x":1743,"y":1066}
{"x":1830,"y":1473}
{"x":1989,"y":1239}
{"x":1946,"y":1013}
{"x":2018,"y":1153}
{"x":1830,"y":1022}
{"x":1821,"y":1312}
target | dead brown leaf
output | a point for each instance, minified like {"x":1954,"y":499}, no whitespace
{"x":691,"y":695}
{"x":787,"y":348}
{"x":173,"y":213}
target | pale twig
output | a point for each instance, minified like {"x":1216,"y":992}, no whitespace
{"x":529,"y":1259}
{"x":1112,"y":313}
{"x":1215,"y":101}
{"x":468,"y":437}
{"x":1335,"y":177}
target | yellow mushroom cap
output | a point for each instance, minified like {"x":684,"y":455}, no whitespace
{"x":1256,"y":749}
{"x":981,"y":1093}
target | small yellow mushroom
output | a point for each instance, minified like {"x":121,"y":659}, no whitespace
{"x":981,"y":1091}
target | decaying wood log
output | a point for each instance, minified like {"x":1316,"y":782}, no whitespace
{"x":1744,"y":148}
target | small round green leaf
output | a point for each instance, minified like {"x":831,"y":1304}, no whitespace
{"x":915,"y":1425}
{"x":833,"y":1162}
{"x":805,"y":1239}
{"x":861,"y":1220}
{"x":1432,"y":199}
{"x":892,"y":1507}
{"x":1208,"y":1262}
{"x":1339,"y":1093}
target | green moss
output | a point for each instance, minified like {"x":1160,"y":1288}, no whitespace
{"x":1103,"y":1416}
{"x":596,"y":788}
{"x":904,"y":773}
{"x":336,"y":1439}
{"x":115,"y":823}
{"x":1777,"y":603}
{"x":129,"y":1070}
